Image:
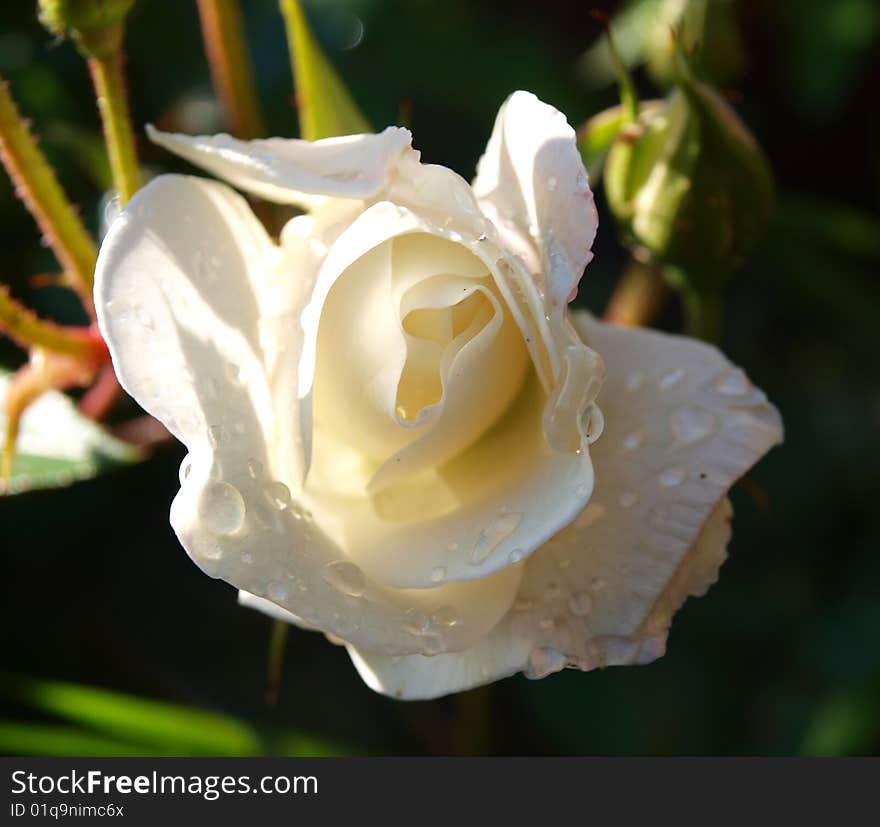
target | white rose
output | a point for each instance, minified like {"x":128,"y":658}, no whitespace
{"x":390,"y":413}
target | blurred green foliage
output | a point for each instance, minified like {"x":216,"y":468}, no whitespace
{"x":781,"y":656}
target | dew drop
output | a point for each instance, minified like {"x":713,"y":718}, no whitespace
{"x":493,"y":535}
{"x":444,"y":616}
{"x":217,"y":435}
{"x":669,"y":380}
{"x":564,"y":563}
{"x":552,"y":183}
{"x":628,"y":499}
{"x":236,"y":374}
{"x":438,"y":574}
{"x":516,"y":556}
{"x":144,"y":318}
{"x":277,"y":592}
{"x":278,"y":495}
{"x":212,"y":552}
{"x":221,"y":508}
{"x":733,"y":383}
{"x":597,"y":584}
{"x":544,"y":661}
{"x":633,"y":441}
{"x":255,"y":468}
{"x":634,"y":381}
{"x":546,"y":623}
{"x":247,"y":557}
{"x":580,"y":604}
{"x":416,"y":622}
{"x":672,"y":477}
{"x":690,"y":425}
{"x":345,"y":577}
{"x":185,"y":469}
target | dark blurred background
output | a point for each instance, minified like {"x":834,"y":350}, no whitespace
{"x":781,"y":657}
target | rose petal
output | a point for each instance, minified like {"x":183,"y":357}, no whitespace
{"x":179,"y":285}
{"x":682,"y":425}
{"x":293,"y":171}
{"x":484,"y":511}
{"x":532,"y":177}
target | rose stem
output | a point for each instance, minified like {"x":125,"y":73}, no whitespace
{"x":226,"y":50}
{"x":702,"y":313}
{"x":107,"y":78}
{"x":35,"y":183}
{"x":23,"y":326}
{"x":639,"y":296}
{"x":276,"y":661}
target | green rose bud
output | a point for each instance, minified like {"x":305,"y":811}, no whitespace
{"x":687,"y":182}
{"x":96,"y":26}
{"x":709,"y":27}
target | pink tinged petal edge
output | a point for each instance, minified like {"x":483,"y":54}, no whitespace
{"x":683,"y":424}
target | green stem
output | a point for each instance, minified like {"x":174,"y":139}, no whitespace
{"x":107,"y":77}
{"x":36,"y":185}
{"x":25,"y":328}
{"x":276,"y":660}
{"x":639,"y":296}
{"x":702,"y":314}
{"x":223,"y":33}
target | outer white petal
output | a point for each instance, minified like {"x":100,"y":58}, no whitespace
{"x":293,"y":171}
{"x":184,"y":281}
{"x":682,"y":425}
{"x":532,"y":180}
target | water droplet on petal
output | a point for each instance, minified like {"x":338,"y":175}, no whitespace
{"x":438,"y":574}
{"x":516,"y":556}
{"x":543,"y":661}
{"x":144,"y":318}
{"x":493,"y":535}
{"x":247,"y":557}
{"x":221,"y":508}
{"x":690,"y":424}
{"x":672,"y":477}
{"x":633,"y":441}
{"x":278,"y":495}
{"x":255,"y":468}
{"x":628,"y":499}
{"x":580,"y":604}
{"x":444,"y":616}
{"x":634,"y":381}
{"x":277,"y":592}
{"x":345,"y":577}
{"x":185,"y":469}
{"x":670,"y":379}
{"x":733,"y":383}
{"x":236,"y":374}
{"x":416,"y":622}
{"x":597,"y":584}
{"x":546,"y":623}
{"x":552,"y":183}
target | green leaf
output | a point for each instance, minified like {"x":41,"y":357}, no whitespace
{"x":58,"y":446}
{"x":326,"y":109}
{"x":160,"y":726}
{"x":57,"y":740}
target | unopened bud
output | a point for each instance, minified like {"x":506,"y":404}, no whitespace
{"x":96,"y":26}
{"x":688,"y":183}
